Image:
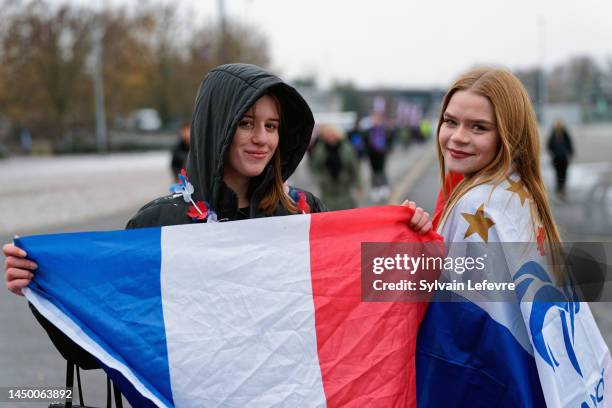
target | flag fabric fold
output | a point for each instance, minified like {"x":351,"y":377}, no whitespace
{"x":263,"y":312}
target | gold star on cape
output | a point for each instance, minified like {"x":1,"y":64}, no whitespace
{"x":478,"y":224}
{"x":517,"y":187}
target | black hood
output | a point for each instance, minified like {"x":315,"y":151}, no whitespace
{"x":225,"y":95}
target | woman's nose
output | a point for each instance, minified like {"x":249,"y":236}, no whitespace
{"x":460,"y":135}
{"x":259,"y":134}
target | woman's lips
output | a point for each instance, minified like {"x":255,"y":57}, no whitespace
{"x":258,"y":155}
{"x":458,"y":154}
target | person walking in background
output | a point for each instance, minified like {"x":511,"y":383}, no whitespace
{"x":425,"y":129}
{"x":355,"y":136}
{"x":25,"y":140}
{"x":335,"y":165}
{"x":376,"y":142}
{"x":180,"y":150}
{"x":561,"y":150}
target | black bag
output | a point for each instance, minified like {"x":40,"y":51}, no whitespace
{"x":70,"y":366}
{"x":75,"y":355}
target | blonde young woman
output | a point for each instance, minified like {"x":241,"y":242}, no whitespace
{"x":493,"y":350}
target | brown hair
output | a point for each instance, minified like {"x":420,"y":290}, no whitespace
{"x":519,"y":143}
{"x":275,"y":192}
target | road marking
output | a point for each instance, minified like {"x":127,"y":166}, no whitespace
{"x":406,"y":184}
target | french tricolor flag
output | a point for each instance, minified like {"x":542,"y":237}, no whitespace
{"x":262,"y":312}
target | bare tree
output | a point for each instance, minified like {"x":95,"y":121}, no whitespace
{"x":43,"y":53}
{"x":152,"y":57}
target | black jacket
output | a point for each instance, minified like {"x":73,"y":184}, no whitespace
{"x":179,"y":156}
{"x":224,"y":96}
{"x":560,"y":144}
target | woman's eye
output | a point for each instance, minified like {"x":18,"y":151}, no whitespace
{"x":271,"y":126}
{"x":449,"y":122}
{"x":246,"y":124}
{"x":479,"y":128}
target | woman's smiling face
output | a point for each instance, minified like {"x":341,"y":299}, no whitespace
{"x":468,"y":135}
{"x":255,"y":140}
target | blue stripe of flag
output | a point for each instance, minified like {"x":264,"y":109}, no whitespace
{"x":108,"y":283}
{"x":467,"y":359}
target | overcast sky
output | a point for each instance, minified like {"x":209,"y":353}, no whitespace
{"x":416,"y":43}
{"x":420,"y":43}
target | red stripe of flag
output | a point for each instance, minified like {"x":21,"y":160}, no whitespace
{"x":366,"y":350}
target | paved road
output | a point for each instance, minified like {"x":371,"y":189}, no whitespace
{"x":44,"y":193}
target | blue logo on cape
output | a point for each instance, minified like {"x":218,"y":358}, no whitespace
{"x":546,"y":298}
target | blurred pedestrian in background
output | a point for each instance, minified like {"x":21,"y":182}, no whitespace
{"x":402,"y":115}
{"x":180,"y":150}
{"x":425,"y":129}
{"x":335,"y":165}
{"x":25,"y":141}
{"x":377,"y":144}
{"x":355,"y":135}
{"x":561,"y":150}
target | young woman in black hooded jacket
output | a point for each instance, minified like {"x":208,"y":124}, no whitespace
{"x":242,"y":114}
{"x":249,"y":131}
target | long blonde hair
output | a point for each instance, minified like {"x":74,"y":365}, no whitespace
{"x":519,"y":142}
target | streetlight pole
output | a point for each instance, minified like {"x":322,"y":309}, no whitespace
{"x":101,"y":133}
{"x":222,"y":32}
{"x":541,"y":74}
